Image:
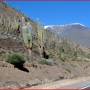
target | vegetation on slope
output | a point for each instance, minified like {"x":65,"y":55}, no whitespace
{"x":46,"y":41}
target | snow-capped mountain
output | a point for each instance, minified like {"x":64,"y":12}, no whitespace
{"x":76,"y":32}
{"x":52,"y":26}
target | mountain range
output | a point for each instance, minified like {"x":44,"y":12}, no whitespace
{"x":75,"y":32}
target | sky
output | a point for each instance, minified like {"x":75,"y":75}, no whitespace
{"x":55,"y":13}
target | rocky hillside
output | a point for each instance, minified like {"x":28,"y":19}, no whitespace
{"x":9,"y":19}
{"x":64,"y":59}
{"x":10,"y":29}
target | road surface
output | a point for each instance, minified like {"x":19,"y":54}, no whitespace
{"x":82,"y":83}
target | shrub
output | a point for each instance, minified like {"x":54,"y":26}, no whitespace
{"x":16,"y":59}
{"x":45,"y":62}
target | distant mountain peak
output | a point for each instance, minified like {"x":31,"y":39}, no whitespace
{"x":77,"y":24}
{"x":64,"y":25}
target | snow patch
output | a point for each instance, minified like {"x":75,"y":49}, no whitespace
{"x":52,"y":26}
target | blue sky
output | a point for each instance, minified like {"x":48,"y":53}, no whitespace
{"x":56,"y":12}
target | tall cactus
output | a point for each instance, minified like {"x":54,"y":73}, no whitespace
{"x":40,"y":32}
{"x":27,"y":35}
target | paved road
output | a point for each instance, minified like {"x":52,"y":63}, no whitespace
{"x":82,"y":85}
{"x":85,"y":85}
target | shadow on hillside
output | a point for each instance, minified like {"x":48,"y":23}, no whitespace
{"x":22,"y":68}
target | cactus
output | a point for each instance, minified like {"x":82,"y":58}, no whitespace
{"x":27,"y":36}
{"x":40,"y":34}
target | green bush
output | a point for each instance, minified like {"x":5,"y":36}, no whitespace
{"x":16,"y":59}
